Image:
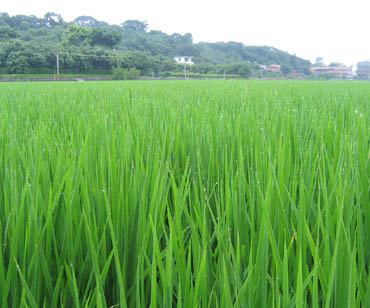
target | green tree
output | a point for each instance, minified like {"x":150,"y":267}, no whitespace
{"x":135,"y":25}
{"x":77,"y":35}
{"x":138,"y":60}
{"x":7,"y":32}
{"x":52,"y":19}
{"x":103,"y":36}
{"x":88,"y":21}
{"x":5,"y":19}
{"x":244,"y":70}
{"x":17,"y":63}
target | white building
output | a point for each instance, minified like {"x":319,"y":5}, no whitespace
{"x":184,"y":60}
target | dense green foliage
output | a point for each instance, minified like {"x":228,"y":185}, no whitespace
{"x":125,"y":74}
{"x":185,"y":194}
{"x":28,"y":45}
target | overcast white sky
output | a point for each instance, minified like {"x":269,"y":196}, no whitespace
{"x":334,"y":29}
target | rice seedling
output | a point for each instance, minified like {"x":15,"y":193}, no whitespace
{"x":185,"y":194}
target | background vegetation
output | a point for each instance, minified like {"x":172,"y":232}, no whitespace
{"x":28,"y":45}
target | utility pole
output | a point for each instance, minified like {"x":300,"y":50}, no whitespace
{"x":224,"y":73}
{"x":185,"y":69}
{"x":57,"y":65}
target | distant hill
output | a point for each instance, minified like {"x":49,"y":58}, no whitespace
{"x":28,"y":45}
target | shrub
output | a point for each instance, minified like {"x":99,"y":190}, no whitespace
{"x":125,"y":74}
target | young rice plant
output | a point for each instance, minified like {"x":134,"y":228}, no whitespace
{"x":185,"y":194}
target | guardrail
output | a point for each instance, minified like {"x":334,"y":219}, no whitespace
{"x":33,"y":79}
{"x":92,"y":78}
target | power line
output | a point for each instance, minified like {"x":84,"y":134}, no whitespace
{"x":90,"y":55}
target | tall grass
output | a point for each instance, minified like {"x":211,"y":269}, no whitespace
{"x":185,"y":194}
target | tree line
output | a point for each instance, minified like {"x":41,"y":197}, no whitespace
{"x":28,"y":44}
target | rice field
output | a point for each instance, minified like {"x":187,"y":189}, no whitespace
{"x":185,"y":194}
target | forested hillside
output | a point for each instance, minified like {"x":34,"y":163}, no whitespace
{"x":28,"y":44}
